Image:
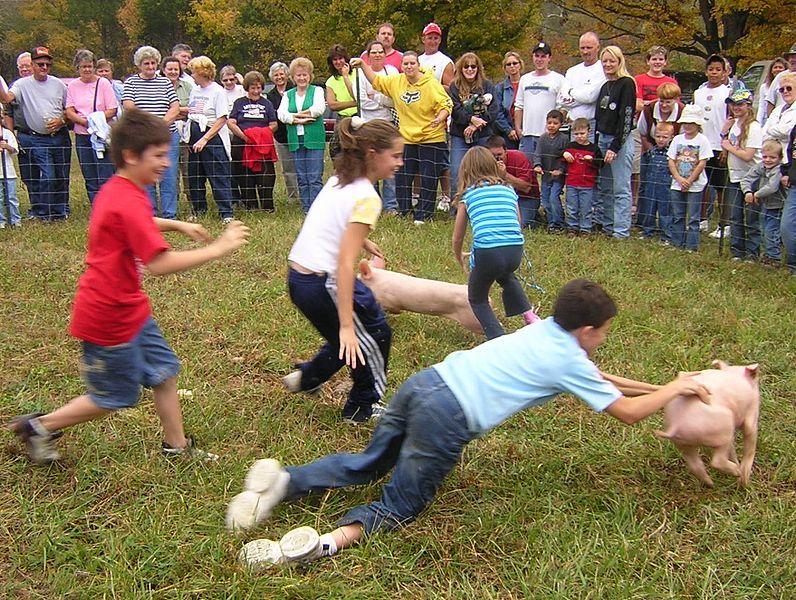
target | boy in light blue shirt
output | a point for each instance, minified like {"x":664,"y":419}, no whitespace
{"x":438,"y":411}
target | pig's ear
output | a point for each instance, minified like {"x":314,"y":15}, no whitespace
{"x":719,"y":364}
{"x":364,"y":269}
{"x":753,"y":370}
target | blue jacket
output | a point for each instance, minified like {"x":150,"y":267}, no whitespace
{"x":504,"y":94}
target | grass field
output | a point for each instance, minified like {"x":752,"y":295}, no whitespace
{"x":557,"y":503}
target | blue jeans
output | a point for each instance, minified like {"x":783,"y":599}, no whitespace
{"x":528,"y":145}
{"x":52,"y":154}
{"x":422,"y":434}
{"x":96,"y":171}
{"x":169,"y":185}
{"x":30,"y":175}
{"x":309,"y":173}
{"x":614,"y":196}
{"x":429,"y":161}
{"x":458,"y":149}
{"x":653,"y":214}
{"x":389,"y":202}
{"x":492,"y":265}
{"x":114,"y":374}
{"x":316,"y":297}
{"x":579,"y":201}
{"x":771,"y":220}
{"x":685,"y":208}
{"x":211,"y":164}
{"x":788,"y":229}
{"x":551,"y":201}
{"x":9,"y":203}
{"x":529,"y":211}
{"x":744,"y":223}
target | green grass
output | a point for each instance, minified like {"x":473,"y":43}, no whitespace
{"x":557,"y":503}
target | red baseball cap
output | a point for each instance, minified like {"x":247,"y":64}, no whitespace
{"x":432,"y":28}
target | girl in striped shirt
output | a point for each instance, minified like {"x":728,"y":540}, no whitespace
{"x":490,"y":204}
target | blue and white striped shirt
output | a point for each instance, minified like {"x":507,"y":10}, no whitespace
{"x":492,"y":210}
{"x":151,"y":95}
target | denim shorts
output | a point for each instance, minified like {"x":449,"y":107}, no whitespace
{"x":114,"y":374}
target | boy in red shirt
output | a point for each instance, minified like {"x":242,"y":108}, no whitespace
{"x":583,"y":160}
{"x":123,"y":348}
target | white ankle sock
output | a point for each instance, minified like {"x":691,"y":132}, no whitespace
{"x":328,"y":544}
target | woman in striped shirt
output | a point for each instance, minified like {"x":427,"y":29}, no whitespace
{"x":154,"y":93}
{"x":490,"y":203}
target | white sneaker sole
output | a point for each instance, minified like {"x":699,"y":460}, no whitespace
{"x":259,"y":555}
{"x":300,"y":544}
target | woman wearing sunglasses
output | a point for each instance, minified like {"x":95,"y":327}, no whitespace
{"x":505,"y":93}
{"x":782,"y":119}
{"x":475,"y":109}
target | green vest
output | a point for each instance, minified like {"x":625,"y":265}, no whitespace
{"x":314,"y":133}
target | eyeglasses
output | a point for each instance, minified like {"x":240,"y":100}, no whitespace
{"x":228,"y":80}
{"x":785,"y":88}
{"x":469,"y":66}
{"x":43,"y":65}
{"x":512,"y":64}
{"x":376,"y":51}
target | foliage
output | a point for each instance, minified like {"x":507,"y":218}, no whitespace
{"x":738,"y":29}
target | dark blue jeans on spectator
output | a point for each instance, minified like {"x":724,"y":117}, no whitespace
{"x":771,"y":221}
{"x":529,"y":211}
{"x":212,"y":164}
{"x":96,"y":171}
{"x":551,"y":201}
{"x":458,"y":149}
{"x":579,"y":201}
{"x":169,"y":184}
{"x":744,"y":223}
{"x":685,"y":207}
{"x":52,"y":155}
{"x":428,"y":160}
{"x":788,"y":229}
{"x":421,"y":434}
{"x":653,"y":214}
{"x":316,"y":297}
{"x":309,"y":173}
{"x":30,"y":174}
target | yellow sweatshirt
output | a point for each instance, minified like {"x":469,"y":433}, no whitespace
{"x":417,"y":105}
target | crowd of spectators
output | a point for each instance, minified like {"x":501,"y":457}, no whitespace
{"x":594,"y":135}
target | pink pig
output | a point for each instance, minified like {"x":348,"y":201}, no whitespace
{"x":735,"y":404}
{"x":397,"y":292}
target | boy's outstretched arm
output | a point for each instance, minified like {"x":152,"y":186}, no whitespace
{"x":195,"y":231}
{"x":631,"y":410}
{"x":630,"y":387}
{"x":173,"y":261}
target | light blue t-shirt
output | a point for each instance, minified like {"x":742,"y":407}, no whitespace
{"x":529,"y":367}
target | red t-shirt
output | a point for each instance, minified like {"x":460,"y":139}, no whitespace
{"x":518,"y":165}
{"x":647,"y":86}
{"x":110,"y":307}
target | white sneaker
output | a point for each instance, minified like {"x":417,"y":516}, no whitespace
{"x":292,"y":382}
{"x":419,"y":222}
{"x":265,"y":486}
{"x":259,"y":555}
{"x":301,"y":544}
{"x":704,"y":225}
{"x":717,"y":233}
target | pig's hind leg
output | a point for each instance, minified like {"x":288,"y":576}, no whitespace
{"x":694,"y":462}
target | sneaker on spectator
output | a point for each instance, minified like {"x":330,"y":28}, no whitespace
{"x":39,"y":442}
{"x":227,"y":220}
{"x":190,"y":450}
{"x":770,"y":263}
{"x":443,"y":203}
{"x":717,"y":232}
{"x":704,"y":225}
{"x":419,"y":222}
